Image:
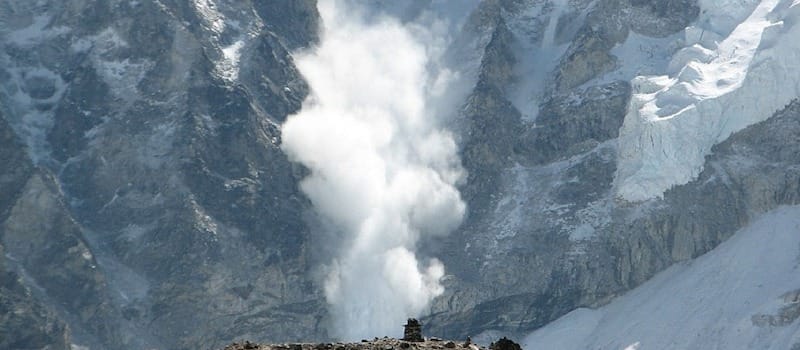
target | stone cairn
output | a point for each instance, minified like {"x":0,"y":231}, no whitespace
{"x":413,"y":331}
{"x":505,"y":344}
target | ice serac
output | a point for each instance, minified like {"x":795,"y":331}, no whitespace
{"x":742,"y":295}
{"x":736,"y":69}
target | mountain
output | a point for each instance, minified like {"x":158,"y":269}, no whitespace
{"x":147,"y":199}
{"x":741,"y":295}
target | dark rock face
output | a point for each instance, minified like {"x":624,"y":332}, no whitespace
{"x":493,"y":122}
{"x":589,"y":55}
{"x":149,"y":200}
{"x":660,"y":17}
{"x":566,"y":128}
{"x":295,"y":21}
{"x":50,"y":248}
{"x":17,"y":167}
{"x":25,"y":321}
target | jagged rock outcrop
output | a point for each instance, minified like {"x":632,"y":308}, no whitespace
{"x":25,"y":320}
{"x":505,"y":344}
{"x":40,"y":234}
{"x":493,"y":122}
{"x":157,"y":187}
{"x":566,"y":127}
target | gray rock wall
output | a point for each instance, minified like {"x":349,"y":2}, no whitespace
{"x":160,"y":211}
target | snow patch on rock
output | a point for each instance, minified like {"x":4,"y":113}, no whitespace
{"x":210,"y":14}
{"x":32,"y":94}
{"x":538,"y":52}
{"x":36,"y":32}
{"x":228,"y":66}
{"x":121,"y":75}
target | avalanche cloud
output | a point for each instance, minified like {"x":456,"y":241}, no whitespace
{"x":382,"y":171}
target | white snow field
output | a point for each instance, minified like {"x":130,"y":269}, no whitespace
{"x":737,"y":67}
{"x":741,"y":295}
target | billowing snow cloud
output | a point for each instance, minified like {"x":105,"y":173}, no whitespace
{"x":382,"y":171}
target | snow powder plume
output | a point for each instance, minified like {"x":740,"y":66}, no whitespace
{"x":381,"y":170}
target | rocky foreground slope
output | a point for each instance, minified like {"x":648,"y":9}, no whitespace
{"x":384,"y":343}
{"x":374,"y":344}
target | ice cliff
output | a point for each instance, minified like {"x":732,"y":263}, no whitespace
{"x":737,"y":67}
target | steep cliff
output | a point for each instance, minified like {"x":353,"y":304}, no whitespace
{"x":158,"y":210}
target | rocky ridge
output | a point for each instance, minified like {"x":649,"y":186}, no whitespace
{"x":374,"y":344}
{"x":413,"y":340}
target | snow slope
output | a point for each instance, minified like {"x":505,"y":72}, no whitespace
{"x":727,"y":77}
{"x":537,"y":50}
{"x":745,"y":294}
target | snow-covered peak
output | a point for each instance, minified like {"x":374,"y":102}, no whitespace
{"x":711,"y":89}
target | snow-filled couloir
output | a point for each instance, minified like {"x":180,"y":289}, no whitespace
{"x":737,"y":67}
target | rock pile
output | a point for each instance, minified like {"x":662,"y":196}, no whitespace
{"x":413,"y":331}
{"x":412,"y":340}
{"x":380,"y":344}
{"x":505,"y":344}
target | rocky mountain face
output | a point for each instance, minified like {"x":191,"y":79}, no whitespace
{"x":145,"y":201}
{"x":547,"y":232}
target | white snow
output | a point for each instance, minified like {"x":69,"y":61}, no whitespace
{"x":32,"y":116}
{"x":721,"y":300}
{"x":122,"y":74}
{"x":710,"y":90}
{"x":538,"y":54}
{"x":208,"y":11}
{"x":641,"y":55}
{"x":370,"y":132}
{"x":228,"y":67}
{"x":35,"y":33}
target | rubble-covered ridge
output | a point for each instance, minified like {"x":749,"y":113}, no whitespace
{"x":384,"y":343}
{"x":412,"y":340}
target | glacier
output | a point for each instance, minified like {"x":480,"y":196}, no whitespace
{"x":745,"y":294}
{"x":735,"y":69}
